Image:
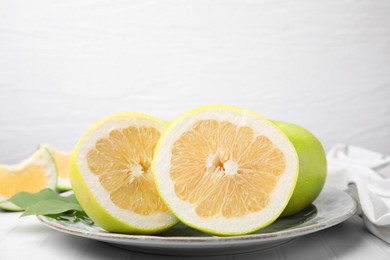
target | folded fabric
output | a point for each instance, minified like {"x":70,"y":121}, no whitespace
{"x":369,"y":171}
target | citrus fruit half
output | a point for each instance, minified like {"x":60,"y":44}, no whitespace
{"x":225,"y":170}
{"x":61,"y":160}
{"x":31,"y":175}
{"x":312,"y":167}
{"x":111,"y":176}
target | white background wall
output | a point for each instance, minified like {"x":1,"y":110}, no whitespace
{"x":65,"y":64}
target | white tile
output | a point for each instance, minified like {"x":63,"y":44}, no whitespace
{"x":307,"y":247}
{"x":99,"y":250}
{"x":26,"y":236}
{"x":347,"y":233}
{"x":61,"y":241}
{"x":381,"y":246}
{"x":357,"y":253}
{"x":62,"y":246}
{"x":16,"y":254}
{"x":140,"y":256}
{"x":8,"y":221}
{"x":269,"y":254}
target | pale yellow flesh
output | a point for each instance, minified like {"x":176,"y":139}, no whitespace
{"x":31,"y":178}
{"x":122,"y":161}
{"x":61,"y":160}
{"x":225,"y":170}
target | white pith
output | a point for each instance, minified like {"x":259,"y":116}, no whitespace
{"x":153,"y":221}
{"x":230,"y":167}
{"x":64,"y":183}
{"x":219,"y":224}
{"x":136,"y":170}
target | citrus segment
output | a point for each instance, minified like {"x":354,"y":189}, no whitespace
{"x":61,"y":160}
{"x":225,"y":170}
{"x":218,"y":178}
{"x":111,"y":174}
{"x":122,"y":162}
{"x":31,"y":175}
{"x":31,"y":179}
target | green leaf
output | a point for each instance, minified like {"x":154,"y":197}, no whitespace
{"x":47,"y":207}
{"x":71,"y":198}
{"x":26,"y":199}
{"x":45,"y":202}
{"x":72,"y":217}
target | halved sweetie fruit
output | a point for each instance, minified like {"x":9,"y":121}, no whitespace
{"x":31,"y":175}
{"x":225,"y":170}
{"x":111,"y":176}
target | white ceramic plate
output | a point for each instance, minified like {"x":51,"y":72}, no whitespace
{"x":331,"y":207}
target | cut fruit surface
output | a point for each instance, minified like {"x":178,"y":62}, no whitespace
{"x":61,"y":160}
{"x":111,"y":175}
{"x":225,"y":170}
{"x":31,"y":175}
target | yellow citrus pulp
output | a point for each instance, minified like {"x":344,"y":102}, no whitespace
{"x":31,"y":175}
{"x":61,"y":160}
{"x":225,"y":170}
{"x":111,"y":175}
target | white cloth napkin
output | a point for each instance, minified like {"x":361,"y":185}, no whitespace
{"x":370,"y":172}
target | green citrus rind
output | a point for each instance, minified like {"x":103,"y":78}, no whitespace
{"x":312,"y":167}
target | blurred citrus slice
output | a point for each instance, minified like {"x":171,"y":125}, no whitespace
{"x":31,"y":175}
{"x":111,"y":176}
{"x":61,"y":160}
{"x":225,"y":170}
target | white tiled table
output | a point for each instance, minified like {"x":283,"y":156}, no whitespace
{"x":26,"y":238}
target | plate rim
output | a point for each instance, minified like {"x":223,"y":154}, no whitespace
{"x":153,"y":239}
